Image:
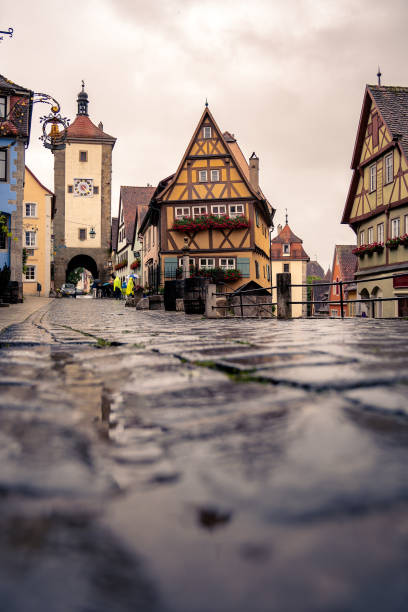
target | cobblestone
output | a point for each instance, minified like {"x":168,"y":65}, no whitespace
{"x":158,"y":461}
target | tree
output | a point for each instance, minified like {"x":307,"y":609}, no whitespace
{"x":75,"y":276}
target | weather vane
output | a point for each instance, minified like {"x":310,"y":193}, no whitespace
{"x":8,"y":32}
{"x":379,"y":76}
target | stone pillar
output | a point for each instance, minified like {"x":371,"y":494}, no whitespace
{"x":186,"y":259}
{"x":210,"y":302}
{"x":284,"y":292}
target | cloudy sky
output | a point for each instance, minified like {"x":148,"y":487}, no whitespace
{"x":287,"y":77}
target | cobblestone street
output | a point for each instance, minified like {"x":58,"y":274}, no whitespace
{"x":158,"y":461}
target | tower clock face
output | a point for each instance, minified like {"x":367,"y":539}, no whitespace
{"x":83,"y":187}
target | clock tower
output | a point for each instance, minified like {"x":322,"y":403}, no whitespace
{"x":82,"y":186}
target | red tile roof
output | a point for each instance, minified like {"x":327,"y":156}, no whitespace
{"x":83,"y":128}
{"x":347,"y":261}
{"x":135,"y":202}
{"x":286,"y":236}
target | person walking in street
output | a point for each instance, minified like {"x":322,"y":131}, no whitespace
{"x":117,"y":288}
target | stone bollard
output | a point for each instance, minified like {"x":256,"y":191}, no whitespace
{"x":210,"y":302}
{"x":284,"y":295}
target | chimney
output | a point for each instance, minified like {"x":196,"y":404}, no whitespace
{"x":100,"y":125}
{"x":254,"y":171}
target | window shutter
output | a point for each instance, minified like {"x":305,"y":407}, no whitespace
{"x":170,"y":267}
{"x":243,"y":266}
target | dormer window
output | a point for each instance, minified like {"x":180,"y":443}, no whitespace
{"x":207,"y":132}
{"x":286,"y":249}
{"x":3,"y":107}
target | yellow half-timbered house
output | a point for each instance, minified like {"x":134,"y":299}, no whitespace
{"x":215,"y":202}
{"x":377,"y":203}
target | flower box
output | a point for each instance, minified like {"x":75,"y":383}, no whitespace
{"x":206,"y":222}
{"x":215,"y":274}
{"x":393,"y":243}
{"x":369,"y":249}
{"x":121,"y":265}
{"x":135,"y":264}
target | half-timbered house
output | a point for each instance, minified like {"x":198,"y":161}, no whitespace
{"x":215,"y":202}
{"x":377,"y":202}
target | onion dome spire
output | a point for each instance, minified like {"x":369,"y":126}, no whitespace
{"x":82,"y":101}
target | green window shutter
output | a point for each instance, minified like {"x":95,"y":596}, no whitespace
{"x":170,"y":267}
{"x":243,"y":266}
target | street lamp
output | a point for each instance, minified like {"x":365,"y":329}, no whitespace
{"x":92,"y":233}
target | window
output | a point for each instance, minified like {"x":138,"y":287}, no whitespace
{"x":30,"y":252}
{"x":286,"y":267}
{"x":82,"y":233}
{"x":70,"y":189}
{"x":3,"y":106}
{"x":286,"y":249}
{"x":206,"y":262}
{"x":198,"y":211}
{"x":256,"y":269}
{"x":30,"y":239}
{"x":30,"y":273}
{"x":406,"y":224}
{"x":3,"y":165}
{"x":257,"y":218}
{"x":219,"y":209}
{"x":3,"y":241}
{"x":395,"y":228}
{"x":227,"y":263}
{"x":96,"y":190}
{"x":380,"y":232}
{"x":182,"y":212}
{"x":207,"y":132}
{"x":370,"y":234}
{"x":215,"y":175}
{"x":236,"y":210}
{"x":361,"y":238}
{"x":389,"y":168}
{"x":373,"y":177}
{"x":202,"y":176}
{"x":30,"y":209}
{"x":83,"y":156}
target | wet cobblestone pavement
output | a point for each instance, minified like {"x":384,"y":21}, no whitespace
{"x":153,"y":461}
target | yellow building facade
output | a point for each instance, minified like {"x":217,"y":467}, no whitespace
{"x":37,"y":213}
{"x":214,"y":206}
{"x":377,"y":203}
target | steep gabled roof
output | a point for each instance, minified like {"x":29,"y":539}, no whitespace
{"x":39,"y":182}
{"x":207,"y":113}
{"x":114,"y":233}
{"x":134,"y":201}
{"x":10,"y":87}
{"x":286,"y":236}
{"x":152,"y":215}
{"x":313,"y":268}
{"x":82,"y":128}
{"x":347,"y":261}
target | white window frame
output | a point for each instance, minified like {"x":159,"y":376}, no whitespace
{"x":3,"y":164}
{"x":380,"y":232}
{"x":389,"y":168}
{"x":191,"y":262}
{"x":199,"y":211}
{"x":395,"y":227}
{"x":30,"y":234}
{"x":239,"y":210}
{"x":182,"y":211}
{"x":34,"y":278}
{"x":206,"y":263}
{"x":202,"y":176}
{"x":286,"y":250}
{"x":215,"y":209}
{"x":33,"y":206}
{"x":207,"y":132}
{"x":361,"y":237}
{"x":370,"y":235}
{"x":286,"y":264}
{"x":373,"y":177}
{"x":228,"y":263}
{"x":405,"y":224}
{"x":4,"y":106}
{"x":215,"y":176}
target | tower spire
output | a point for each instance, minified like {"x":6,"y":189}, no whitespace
{"x":82,"y":101}
{"x":286,"y":216}
{"x":379,"y":76}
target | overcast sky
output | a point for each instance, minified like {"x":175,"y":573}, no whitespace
{"x":287,"y":77}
